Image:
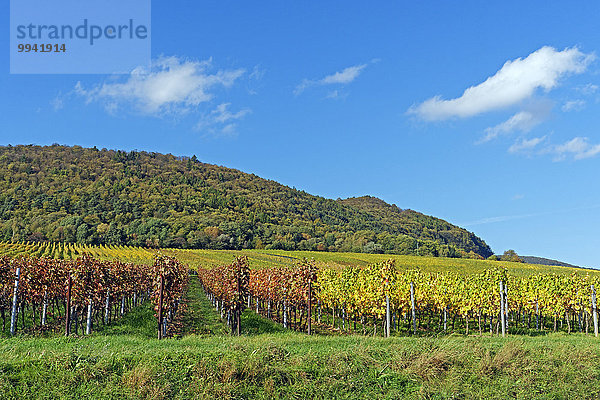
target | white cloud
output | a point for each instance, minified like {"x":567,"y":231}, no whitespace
{"x":172,"y":86}
{"x":257,"y":73}
{"x":516,"y":81}
{"x":229,"y":130}
{"x":337,"y":95}
{"x":255,"y":80}
{"x":347,"y":75}
{"x":221,"y":114}
{"x":588,"y":89}
{"x":579,"y":148}
{"x":221,"y":121}
{"x":303,"y":85}
{"x":522,"y":121}
{"x":504,"y":218}
{"x":573,"y":105}
{"x":342,"y":77}
{"x":334,"y":94}
{"x":525,"y":144}
{"x":57,"y":103}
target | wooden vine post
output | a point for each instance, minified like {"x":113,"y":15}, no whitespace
{"x":310,"y":302}
{"x":310,"y":272}
{"x":285,"y":308}
{"x":388,"y":316}
{"x":88,"y":325}
{"x":44,"y":308}
{"x":412,"y":306}
{"x":160,"y":306}
{"x":122,"y":305}
{"x":446,"y":319}
{"x":68,"y":310}
{"x":388,"y":278}
{"x":594,"y":311}
{"x":107,"y":307}
{"x":13,"y":316}
{"x":537,"y":315}
{"x":502,"y":311}
{"x":238,"y":305}
{"x":506,"y":306}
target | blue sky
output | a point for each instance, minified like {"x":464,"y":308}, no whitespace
{"x":485,"y":115}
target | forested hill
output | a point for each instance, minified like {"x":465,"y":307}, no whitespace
{"x":96,"y":196}
{"x":415,"y":224}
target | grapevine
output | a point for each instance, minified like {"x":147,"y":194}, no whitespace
{"x":52,"y":292}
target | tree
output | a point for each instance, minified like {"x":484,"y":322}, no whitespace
{"x":37,"y":237}
{"x":511,"y":255}
{"x":82,"y":233}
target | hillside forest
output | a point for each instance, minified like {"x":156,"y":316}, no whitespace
{"x":92,"y":196}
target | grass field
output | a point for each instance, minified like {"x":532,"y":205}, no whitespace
{"x":124,"y":361}
{"x":296,"y":366}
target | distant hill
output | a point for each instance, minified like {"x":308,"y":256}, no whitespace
{"x":112,"y":197}
{"x":545,"y":261}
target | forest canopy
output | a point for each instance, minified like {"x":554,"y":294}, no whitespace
{"x":82,"y":195}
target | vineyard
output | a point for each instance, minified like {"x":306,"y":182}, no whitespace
{"x":343,"y":292}
{"x":404,"y":301}
{"x":381,"y":326}
{"x":271,"y":258}
{"x":75,"y":295}
{"x":71,"y":251}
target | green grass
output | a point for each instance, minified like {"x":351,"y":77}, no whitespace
{"x":287,"y":365}
{"x":253,"y":324}
{"x":125,"y":361}
{"x":138,"y":322}
{"x":199,"y":317}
